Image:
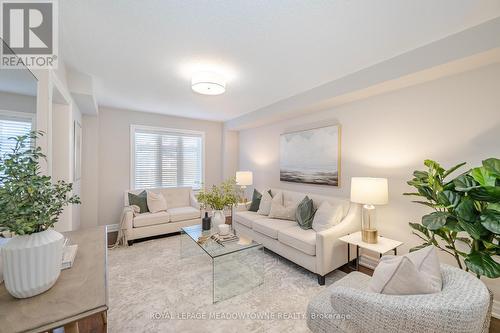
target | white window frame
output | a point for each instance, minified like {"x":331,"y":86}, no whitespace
{"x":17,"y":115}
{"x":133,"y":128}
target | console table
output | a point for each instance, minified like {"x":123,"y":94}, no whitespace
{"x":80,"y":291}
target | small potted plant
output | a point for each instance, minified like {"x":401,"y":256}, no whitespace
{"x":31,"y":204}
{"x":219,"y":198}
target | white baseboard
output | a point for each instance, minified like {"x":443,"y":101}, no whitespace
{"x":495,"y":312}
{"x":112,"y":227}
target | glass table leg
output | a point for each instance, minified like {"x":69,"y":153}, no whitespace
{"x":188,"y":247}
{"x":236,"y":273}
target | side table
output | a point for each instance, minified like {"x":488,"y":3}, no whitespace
{"x":382,"y":246}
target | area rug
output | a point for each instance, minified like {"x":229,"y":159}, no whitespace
{"x":153,"y":289}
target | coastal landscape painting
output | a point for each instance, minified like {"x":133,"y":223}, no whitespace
{"x":311,"y":156}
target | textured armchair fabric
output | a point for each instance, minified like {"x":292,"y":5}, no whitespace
{"x":463,"y":305}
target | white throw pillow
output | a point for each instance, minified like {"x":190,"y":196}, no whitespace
{"x":412,"y":274}
{"x":326,"y":216}
{"x":265,"y":204}
{"x":281,"y":210}
{"x":156,"y":202}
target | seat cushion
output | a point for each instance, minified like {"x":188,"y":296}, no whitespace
{"x":300,"y":239}
{"x":145,"y":219}
{"x":183,"y":213}
{"x":270,"y":227}
{"x":247,"y":217}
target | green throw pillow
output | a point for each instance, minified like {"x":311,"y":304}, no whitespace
{"x":305,"y":213}
{"x":254,"y":206}
{"x":139,"y":200}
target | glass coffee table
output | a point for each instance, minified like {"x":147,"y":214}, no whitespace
{"x":236,"y":268}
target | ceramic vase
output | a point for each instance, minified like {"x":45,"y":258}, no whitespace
{"x":218,"y":217}
{"x":32,"y":263}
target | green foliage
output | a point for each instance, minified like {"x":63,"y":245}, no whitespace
{"x":466,"y":210}
{"x":29,"y":201}
{"x":219,"y":197}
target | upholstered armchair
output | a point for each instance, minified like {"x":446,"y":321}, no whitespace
{"x":463,"y":305}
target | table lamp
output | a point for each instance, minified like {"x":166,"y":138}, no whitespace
{"x":244,"y":179}
{"x":369,"y":192}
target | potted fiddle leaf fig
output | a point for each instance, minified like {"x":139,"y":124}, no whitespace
{"x":465,"y":222}
{"x":31,"y":204}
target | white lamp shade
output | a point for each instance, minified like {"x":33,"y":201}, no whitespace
{"x":370,"y":191}
{"x":208,"y":83}
{"x":244,"y":178}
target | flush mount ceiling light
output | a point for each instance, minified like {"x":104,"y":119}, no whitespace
{"x":208,"y":83}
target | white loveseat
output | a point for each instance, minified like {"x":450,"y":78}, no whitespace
{"x":182,"y":210}
{"x":319,"y":252}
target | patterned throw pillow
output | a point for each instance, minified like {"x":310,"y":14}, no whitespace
{"x":140,"y":200}
{"x":281,"y":210}
{"x":254,"y":206}
{"x":305,"y":213}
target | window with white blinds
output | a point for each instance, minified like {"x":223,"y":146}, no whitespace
{"x":166,"y":158}
{"x":13,"y":124}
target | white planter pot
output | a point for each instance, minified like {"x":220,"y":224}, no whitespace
{"x":32,"y":263}
{"x":218,"y":217}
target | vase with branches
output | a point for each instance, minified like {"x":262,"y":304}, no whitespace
{"x":218,"y":198}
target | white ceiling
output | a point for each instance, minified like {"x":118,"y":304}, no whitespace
{"x":140,"y":53}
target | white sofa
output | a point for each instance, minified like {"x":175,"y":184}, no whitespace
{"x":182,"y":210}
{"x":319,"y":252}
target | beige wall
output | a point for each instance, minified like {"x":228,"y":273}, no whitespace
{"x":450,"y":120}
{"x":112,"y":157}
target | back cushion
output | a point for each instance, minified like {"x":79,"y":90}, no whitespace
{"x":175,"y":197}
{"x":317,"y":199}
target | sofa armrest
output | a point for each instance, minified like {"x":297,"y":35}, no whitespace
{"x":331,"y":253}
{"x":193,"y":201}
{"x":374,"y":312}
{"x":128,"y":218}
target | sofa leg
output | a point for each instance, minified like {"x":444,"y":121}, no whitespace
{"x":321,"y":280}
{"x":130,"y":242}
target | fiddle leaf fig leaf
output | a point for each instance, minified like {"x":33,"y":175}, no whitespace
{"x":420,"y":247}
{"x":452,"y":169}
{"x":494,"y":206}
{"x":449,"y":199}
{"x":492,"y":165}
{"x":486,"y":193}
{"x":466,"y":211}
{"x":490,"y":219}
{"x":464,"y":183}
{"x":483,"y":177}
{"x":452,"y":224}
{"x":421,"y":175}
{"x":475,"y":230}
{"x":435,"y":221}
{"x":483,"y":265}
{"x":420,"y":228}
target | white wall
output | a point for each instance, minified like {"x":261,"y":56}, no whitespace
{"x":17,"y":102}
{"x":451,"y":120}
{"x":113,"y":148}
